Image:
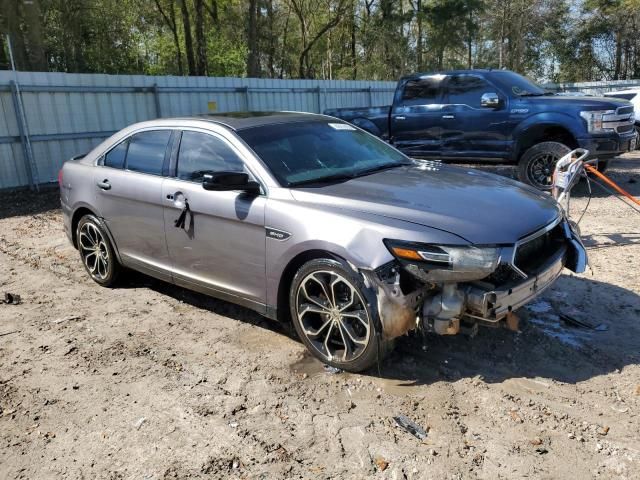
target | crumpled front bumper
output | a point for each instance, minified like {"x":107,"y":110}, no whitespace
{"x":495,"y":304}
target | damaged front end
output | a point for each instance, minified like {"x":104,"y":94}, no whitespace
{"x":448,"y":290}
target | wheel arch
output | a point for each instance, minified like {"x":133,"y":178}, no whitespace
{"x":545,"y":132}
{"x":80,"y":212}
{"x":286,"y":279}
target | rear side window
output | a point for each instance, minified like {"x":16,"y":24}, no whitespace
{"x":115,"y":157}
{"x":201,"y":152}
{"x":147,"y":151}
{"x":467,"y":90}
{"x":422,"y":91}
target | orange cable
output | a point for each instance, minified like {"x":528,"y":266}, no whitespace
{"x":609,"y":182}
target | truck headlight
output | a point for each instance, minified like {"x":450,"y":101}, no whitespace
{"x":444,"y":263}
{"x":595,"y":120}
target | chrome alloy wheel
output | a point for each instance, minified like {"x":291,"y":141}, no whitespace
{"x":94,"y":251}
{"x":540,"y":170}
{"x":333,"y":316}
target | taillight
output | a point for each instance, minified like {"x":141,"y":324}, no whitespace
{"x":60,"y":178}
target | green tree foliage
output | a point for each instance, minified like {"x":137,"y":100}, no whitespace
{"x":559,"y":40}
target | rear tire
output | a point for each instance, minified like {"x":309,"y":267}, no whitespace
{"x":96,"y":251}
{"x":333,"y":315}
{"x":537,"y":164}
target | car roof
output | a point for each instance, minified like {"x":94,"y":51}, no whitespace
{"x":243,"y":120}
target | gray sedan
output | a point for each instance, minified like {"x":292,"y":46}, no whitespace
{"x":310,"y":220}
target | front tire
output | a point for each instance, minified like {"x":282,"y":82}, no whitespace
{"x":333,"y":317}
{"x":96,"y":252}
{"x":537,"y":164}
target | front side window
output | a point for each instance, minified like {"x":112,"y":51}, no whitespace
{"x":516,"y":84}
{"x":147,"y":151}
{"x":467,"y":90}
{"x":201,"y":152}
{"x":116,"y":156}
{"x":317,"y":151}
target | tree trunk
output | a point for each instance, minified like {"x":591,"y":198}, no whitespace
{"x":271,"y":54}
{"x":253,"y":60}
{"x":201,"y":43}
{"x":469,"y":39}
{"x":33,"y":20}
{"x":354,"y":56}
{"x":419,"y":63}
{"x":618,"y":60}
{"x":12,"y":19}
{"x":188,"y":41}
{"x":170,"y":20}
{"x":4,"y":58}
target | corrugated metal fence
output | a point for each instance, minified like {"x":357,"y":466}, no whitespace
{"x":594,"y":88}
{"x":67,"y":114}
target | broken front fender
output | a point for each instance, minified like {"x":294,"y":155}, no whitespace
{"x":577,"y":259}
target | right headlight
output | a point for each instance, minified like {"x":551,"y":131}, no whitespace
{"x":596,"y":120}
{"x":445,"y":263}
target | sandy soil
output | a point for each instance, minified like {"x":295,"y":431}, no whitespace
{"x":152,"y":381}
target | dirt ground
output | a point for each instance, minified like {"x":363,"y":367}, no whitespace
{"x":149,"y":381}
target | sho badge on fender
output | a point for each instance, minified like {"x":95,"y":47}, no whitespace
{"x":277,"y":234}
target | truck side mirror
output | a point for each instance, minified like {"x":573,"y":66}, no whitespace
{"x":490,"y":100}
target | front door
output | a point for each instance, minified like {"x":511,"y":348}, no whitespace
{"x":129,"y":193}
{"x":220,"y":249}
{"x":470,"y":131}
{"x":415,"y":122}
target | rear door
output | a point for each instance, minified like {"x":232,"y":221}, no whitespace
{"x":221,"y":247}
{"x":469,"y":130}
{"x":129,"y":193}
{"x":416,"y":115}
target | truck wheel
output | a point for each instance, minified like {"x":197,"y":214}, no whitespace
{"x":537,"y":164}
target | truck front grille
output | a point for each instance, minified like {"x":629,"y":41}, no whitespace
{"x":621,"y":121}
{"x":625,"y":110}
{"x":624,"y":128}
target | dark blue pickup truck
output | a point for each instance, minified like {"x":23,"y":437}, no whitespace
{"x":496,"y":116}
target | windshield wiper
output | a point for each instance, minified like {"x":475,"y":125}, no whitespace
{"x":321,"y":180}
{"x":379,"y":168}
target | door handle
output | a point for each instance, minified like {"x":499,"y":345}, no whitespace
{"x":104,"y":185}
{"x":400,"y":117}
{"x":177,"y":199}
{"x":448,"y":117}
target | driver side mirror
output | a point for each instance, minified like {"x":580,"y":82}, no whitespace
{"x":490,"y":100}
{"x":228,"y":181}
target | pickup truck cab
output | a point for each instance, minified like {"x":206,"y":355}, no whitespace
{"x":496,"y":116}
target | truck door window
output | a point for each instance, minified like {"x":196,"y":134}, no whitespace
{"x":467,"y":90}
{"x":422,"y":91}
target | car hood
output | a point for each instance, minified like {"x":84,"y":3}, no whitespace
{"x":588,"y":103}
{"x":480,"y":207}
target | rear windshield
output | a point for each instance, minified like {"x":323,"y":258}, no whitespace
{"x":313,"y":151}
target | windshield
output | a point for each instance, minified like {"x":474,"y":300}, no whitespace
{"x":319,"y":151}
{"x":517,"y":84}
